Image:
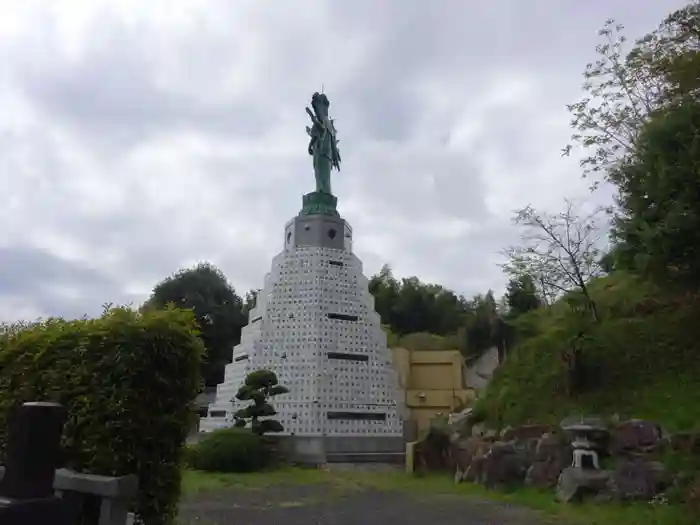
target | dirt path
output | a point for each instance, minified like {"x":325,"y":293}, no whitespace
{"x":324,"y":504}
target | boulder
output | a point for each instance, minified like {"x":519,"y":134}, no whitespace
{"x":504,"y":465}
{"x":525,"y":432}
{"x":464,"y":452}
{"x":473,"y":474}
{"x":553,"y":445}
{"x":490,"y":434}
{"x":480,"y":430}
{"x":544,"y":474}
{"x":553,"y":454}
{"x":433,"y":452}
{"x":637,"y":479}
{"x":460,"y":425}
{"x":636,"y":436}
{"x":575,"y":484}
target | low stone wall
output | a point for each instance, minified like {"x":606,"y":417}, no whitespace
{"x":318,"y":450}
{"x":542,"y":456}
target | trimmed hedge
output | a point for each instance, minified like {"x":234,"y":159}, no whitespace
{"x":127,"y":380}
{"x":229,"y":450}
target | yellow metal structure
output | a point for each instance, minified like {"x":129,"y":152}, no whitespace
{"x":433,"y":383}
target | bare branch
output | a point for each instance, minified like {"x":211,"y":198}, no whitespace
{"x":560,"y":252}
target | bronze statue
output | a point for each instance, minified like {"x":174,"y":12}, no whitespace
{"x":324,"y":144}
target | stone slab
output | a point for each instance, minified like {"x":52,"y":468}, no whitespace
{"x":120,"y":488}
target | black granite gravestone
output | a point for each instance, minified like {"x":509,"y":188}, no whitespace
{"x":31,"y":457}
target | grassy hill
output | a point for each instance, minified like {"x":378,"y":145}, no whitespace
{"x":646,"y":351}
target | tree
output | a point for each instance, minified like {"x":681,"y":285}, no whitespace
{"x":259,"y":387}
{"x":624,"y":87}
{"x":482,"y":325}
{"x":409,"y":305}
{"x":217,"y":307}
{"x":671,"y":55}
{"x":559,"y":251}
{"x":424,"y":315}
{"x":521,"y":295}
{"x":657,"y":228}
{"x":385,"y":290}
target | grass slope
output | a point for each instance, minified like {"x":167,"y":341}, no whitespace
{"x":647,"y":348}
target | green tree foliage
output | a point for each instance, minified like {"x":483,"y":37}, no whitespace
{"x":217,"y":307}
{"x":657,"y":227}
{"x":410,"y":306}
{"x":479,"y":325}
{"x":609,"y":260}
{"x":259,"y":387}
{"x":426,"y":341}
{"x":639,"y":118}
{"x":670,"y":55}
{"x":521,"y":295}
{"x":641,"y":359}
{"x":627,"y":84}
{"x":126,"y":379}
{"x":418,"y":315}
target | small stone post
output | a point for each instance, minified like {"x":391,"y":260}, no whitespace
{"x":33,"y":449}
{"x":32,"y":455}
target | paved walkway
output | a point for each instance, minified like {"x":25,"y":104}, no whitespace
{"x":323,"y":504}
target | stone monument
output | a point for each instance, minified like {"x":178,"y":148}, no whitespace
{"x":315,"y":326}
{"x":31,"y":456}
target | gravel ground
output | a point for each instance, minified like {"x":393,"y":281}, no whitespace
{"x":321,"y":504}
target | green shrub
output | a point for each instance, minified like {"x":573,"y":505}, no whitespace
{"x":188,"y":455}
{"x":230,"y":450}
{"x":642,"y":355}
{"x":126,"y":379}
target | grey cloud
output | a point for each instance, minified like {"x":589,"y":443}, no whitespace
{"x":29,"y":269}
{"x":51,"y":282}
{"x":111,"y":92}
{"x":386,"y":66}
{"x":422,"y":185}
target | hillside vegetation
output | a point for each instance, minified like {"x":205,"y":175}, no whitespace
{"x":641,"y":360}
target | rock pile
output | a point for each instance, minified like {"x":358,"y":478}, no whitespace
{"x":621,"y":463}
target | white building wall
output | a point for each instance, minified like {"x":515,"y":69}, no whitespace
{"x":314,"y":325}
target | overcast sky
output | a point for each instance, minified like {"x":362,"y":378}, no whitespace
{"x":138,"y":137}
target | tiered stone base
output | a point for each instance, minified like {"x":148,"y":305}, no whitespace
{"x":317,"y":203}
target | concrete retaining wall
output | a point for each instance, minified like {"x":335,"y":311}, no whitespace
{"x":316,"y":450}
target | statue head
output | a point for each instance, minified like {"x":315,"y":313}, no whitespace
{"x":320,"y":103}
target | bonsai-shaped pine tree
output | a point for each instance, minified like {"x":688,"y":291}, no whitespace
{"x":259,"y":387}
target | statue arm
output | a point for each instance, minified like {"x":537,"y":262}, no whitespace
{"x":315,"y":121}
{"x":335,"y":153}
{"x":312,"y":143}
